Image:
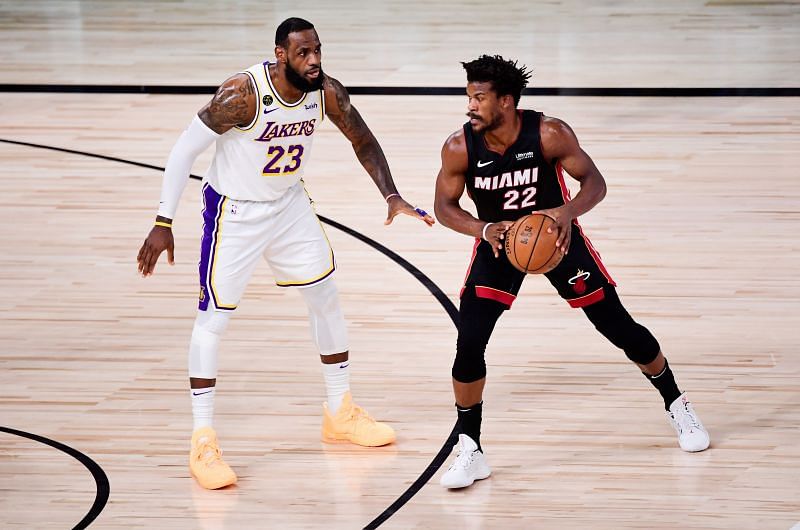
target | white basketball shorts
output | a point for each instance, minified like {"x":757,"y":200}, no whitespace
{"x":286,"y":232}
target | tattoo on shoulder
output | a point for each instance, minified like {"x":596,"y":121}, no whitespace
{"x":344,"y":114}
{"x":230,"y":105}
{"x":340,"y":92}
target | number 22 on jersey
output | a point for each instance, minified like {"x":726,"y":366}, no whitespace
{"x":281,"y":161}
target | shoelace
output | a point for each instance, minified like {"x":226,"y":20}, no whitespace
{"x":463,"y":460}
{"x":209,"y":453}
{"x":688,"y":419}
{"x":359,"y":414}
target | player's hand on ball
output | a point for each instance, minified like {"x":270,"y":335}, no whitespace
{"x":495,"y":233}
{"x":398,"y":205}
{"x":563,"y":217}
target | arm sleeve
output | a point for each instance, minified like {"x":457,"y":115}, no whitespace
{"x":193,"y":141}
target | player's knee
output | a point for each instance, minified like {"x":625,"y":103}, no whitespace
{"x":612,"y":320}
{"x":469,"y":364}
{"x":321,"y":298}
{"x":477,"y":318}
{"x":641,"y":346}
{"x":206,"y":334}
{"x":328,"y":328}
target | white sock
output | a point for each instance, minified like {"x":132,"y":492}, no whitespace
{"x":203,"y":406}
{"x":337,"y":382}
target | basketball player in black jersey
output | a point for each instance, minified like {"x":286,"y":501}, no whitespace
{"x":512,"y":163}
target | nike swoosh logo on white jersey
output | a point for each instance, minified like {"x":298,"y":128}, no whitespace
{"x":484,"y":164}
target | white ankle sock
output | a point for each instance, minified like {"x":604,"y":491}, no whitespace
{"x":203,"y":406}
{"x":337,"y":382}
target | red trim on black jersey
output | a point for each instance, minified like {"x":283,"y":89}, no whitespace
{"x":469,"y":268}
{"x":595,"y":255}
{"x":588,"y":299}
{"x":495,"y":294}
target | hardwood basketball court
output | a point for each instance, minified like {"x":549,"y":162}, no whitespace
{"x":699,"y":229}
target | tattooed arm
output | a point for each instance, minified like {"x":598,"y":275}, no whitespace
{"x":368,"y":151}
{"x":233,"y":104}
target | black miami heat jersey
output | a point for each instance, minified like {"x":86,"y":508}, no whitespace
{"x":506,"y":186}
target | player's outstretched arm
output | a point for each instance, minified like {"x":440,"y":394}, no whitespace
{"x":368,"y":151}
{"x":450,"y":184}
{"x":233,"y":104}
{"x":560,"y":144}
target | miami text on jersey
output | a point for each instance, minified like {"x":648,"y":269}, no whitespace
{"x":522,"y":177}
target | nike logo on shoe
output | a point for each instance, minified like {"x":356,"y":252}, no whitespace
{"x":200,"y":393}
{"x":484,"y":164}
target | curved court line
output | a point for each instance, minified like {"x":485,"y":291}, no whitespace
{"x":434,"y":289}
{"x":100,"y":478}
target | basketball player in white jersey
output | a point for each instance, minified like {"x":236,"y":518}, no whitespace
{"x":262,"y":121}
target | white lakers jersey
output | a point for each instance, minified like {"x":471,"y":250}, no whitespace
{"x":262,"y":160}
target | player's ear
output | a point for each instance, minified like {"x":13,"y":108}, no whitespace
{"x":280,"y":54}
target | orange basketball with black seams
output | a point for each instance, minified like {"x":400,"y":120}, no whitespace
{"x":529,"y":247}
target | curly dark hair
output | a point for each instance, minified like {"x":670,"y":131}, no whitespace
{"x":505,"y":76}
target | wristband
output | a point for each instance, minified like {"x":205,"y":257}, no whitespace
{"x":162,"y":223}
{"x":390,"y":196}
{"x":483,"y":232}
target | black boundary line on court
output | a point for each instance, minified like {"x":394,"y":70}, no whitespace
{"x":682,"y":92}
{"x":441,"y":297}
{"x":100,"y":478}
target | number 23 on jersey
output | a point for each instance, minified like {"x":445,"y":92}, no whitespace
{"x":281,"y":161}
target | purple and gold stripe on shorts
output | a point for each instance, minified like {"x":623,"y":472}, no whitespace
{"x":213,"y":204}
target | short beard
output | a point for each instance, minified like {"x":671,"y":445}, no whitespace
{"x":300,"y":82}
{"x":496,"y":121}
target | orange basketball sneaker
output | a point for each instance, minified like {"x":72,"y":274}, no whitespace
{"x":352,"y":424}
{"x":206,"y":463}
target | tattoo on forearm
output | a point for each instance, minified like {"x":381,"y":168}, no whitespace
{"x":365,"y":145}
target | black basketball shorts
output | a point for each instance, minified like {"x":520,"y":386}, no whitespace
{"x":580,"y":278}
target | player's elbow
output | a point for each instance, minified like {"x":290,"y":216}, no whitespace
{"x":598,"y":186}
{"x":601,"y":192}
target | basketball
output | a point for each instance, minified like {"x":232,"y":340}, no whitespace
{"x":529,"y":247}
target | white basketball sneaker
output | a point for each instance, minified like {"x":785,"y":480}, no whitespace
{"x":692,"y":436}
{"x":469,"y":465}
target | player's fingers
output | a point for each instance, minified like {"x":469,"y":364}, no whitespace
{"x":150,"y":262}
{"x":563,"y":233}
{"x":563,"y":243}
{"x":390,"y":215}
{"x":144,"y":260}
{"x":171,"y":254}
{"x":423,"y":215}
{"x":140,"y":259}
